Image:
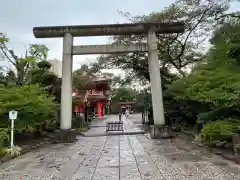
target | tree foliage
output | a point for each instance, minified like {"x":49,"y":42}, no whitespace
{"x":215,"y":81}
{"x":213,"y":85}
{"x":22,"y":63}
{"x":46,"y":78}
{"x":82,"y":79}
{"x":123,"y":94}
{"x":27,"y":88}
{"x":35,"y":107}
{"x":176,"y":51}
{"x":219,"y":133}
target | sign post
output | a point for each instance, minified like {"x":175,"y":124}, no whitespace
{"x":12,"y":117}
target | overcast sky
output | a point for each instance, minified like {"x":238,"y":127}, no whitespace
{"x":18,"y":17}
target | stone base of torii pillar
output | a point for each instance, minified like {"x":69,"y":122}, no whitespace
{"x":161,"y":132}
{"x":65,"y":136}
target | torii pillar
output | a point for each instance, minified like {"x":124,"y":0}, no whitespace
{"x":159,"y":129}
{"x":66,"y":91}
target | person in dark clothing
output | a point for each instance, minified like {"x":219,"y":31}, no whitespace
{"x":120,"y":116}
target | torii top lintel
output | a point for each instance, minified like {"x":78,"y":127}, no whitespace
{"x":108,"y":29}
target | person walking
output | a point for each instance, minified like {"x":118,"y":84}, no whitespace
{"x":120,"y":116}
{"x":127,"y":112}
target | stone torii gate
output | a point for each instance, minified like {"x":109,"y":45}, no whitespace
{"x":148,"y":29}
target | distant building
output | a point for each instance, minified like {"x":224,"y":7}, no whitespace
{"x":56,"y":67}
{"x":95,"y":97}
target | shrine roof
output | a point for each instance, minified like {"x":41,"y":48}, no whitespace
{"x":91,"y":97}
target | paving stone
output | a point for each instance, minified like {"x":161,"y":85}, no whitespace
{"x":106,"y":174}
{"x":95,"y":153}
{"x":149,"y":171}
{"x":110,"y":153}
{"x":49,"y":174}
{"x":83,"y":173}
{"x":139,"y":152}
{"x":109,"y":148}
{"x":108,"y":162}
{"x":142,"y":159}
{"x":177,"y":178}
{"x":125,"y":161}
{"x":90,"y":161}
{"x":40,"y":164}
{"x":129,"y":173}
{"x":20,"y":166}
{"x":126,"y":153}
{"x":161,"y":160}
{"x":69,"y":169}
{"x":125,"y":147}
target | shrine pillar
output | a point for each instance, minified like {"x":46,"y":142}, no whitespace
{"x":155,"y":78}
{"x":103,"y":109}
{"x":66,"y":89}
{"x":99,"y":109}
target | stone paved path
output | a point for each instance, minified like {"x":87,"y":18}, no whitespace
{"x":133,"y":157}
{"x":99,"y":127}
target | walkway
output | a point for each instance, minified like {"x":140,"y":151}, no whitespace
{"x":99,"y":126}
{"x":132,"y":157}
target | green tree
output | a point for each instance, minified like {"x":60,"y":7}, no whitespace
{"x":82,"y":79}
{"x":123,"y":94}
{"x":47,"y":79}
{"x":42,"y":74}
{"x":35,"y":107}
{"x":143,"y":100}
{"x":33,"y":54}
{"x":176,"y":51}
{"x":215,"y":81}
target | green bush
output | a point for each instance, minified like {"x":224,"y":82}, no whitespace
{"x":15,"y":151}
{"x":4,"y":137}
{"x":33,"y":104}
{"x":3,"y":151}
{"x":219,"y":114}
{"x":219,"y":132}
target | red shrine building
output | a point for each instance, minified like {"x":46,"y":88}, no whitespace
{"x":94,"y":97}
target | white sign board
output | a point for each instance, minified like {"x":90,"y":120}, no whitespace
{"x":13,"y":115}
